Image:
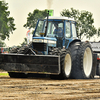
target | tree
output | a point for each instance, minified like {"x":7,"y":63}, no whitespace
{"x":7,"y":25}
{"x":2,"y":44}
{"x":99,"y":31}
{"x":33,"y":17}
{"x":24,"y":42}
{"x":84,"y":21}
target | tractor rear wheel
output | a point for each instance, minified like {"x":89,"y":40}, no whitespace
{"x":82,"y":60}
{"x":87,"y":62}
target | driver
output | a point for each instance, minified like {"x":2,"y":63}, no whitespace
{"x":58,"y":30}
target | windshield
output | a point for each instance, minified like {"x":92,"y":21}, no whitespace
{"x":40,"y":28}
{"x":55,"y":28}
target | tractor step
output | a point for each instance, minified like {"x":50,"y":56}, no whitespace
{"x":47,"y":64}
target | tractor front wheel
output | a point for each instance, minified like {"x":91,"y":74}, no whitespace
{"x":65,"y":63}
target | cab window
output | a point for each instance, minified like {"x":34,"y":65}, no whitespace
{"x":74,"y":30}
{"x":68,"y":32}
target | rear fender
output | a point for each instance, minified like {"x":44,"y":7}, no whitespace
{"x":76,"y":40}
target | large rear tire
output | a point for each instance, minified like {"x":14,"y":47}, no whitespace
{"x":82,"y":60}
{"x":87,"y":62}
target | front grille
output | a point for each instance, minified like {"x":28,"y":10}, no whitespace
{"x":40,"y":46}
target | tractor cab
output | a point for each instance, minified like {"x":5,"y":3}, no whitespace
{"x":56,"y":32}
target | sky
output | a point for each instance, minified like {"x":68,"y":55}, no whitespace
{"x":19,"y":10}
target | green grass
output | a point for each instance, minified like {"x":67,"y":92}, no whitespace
{"x":3,"y":74}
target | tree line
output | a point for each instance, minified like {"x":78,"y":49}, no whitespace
{"x":83,"y":18}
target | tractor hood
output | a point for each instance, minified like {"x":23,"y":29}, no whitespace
{"x":49,"y":41}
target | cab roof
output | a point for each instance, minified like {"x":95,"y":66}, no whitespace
{"x":60,"y":18}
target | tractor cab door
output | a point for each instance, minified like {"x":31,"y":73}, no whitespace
{"x":59,"y":31}
{"x":70,"y":32}
{"x":56,"y":29}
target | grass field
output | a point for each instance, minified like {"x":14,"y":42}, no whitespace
{"x":3,"y":74}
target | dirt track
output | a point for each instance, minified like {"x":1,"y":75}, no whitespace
{"x":48,"y":89}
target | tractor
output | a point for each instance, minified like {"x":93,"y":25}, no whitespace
{"x":55,"y":50}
